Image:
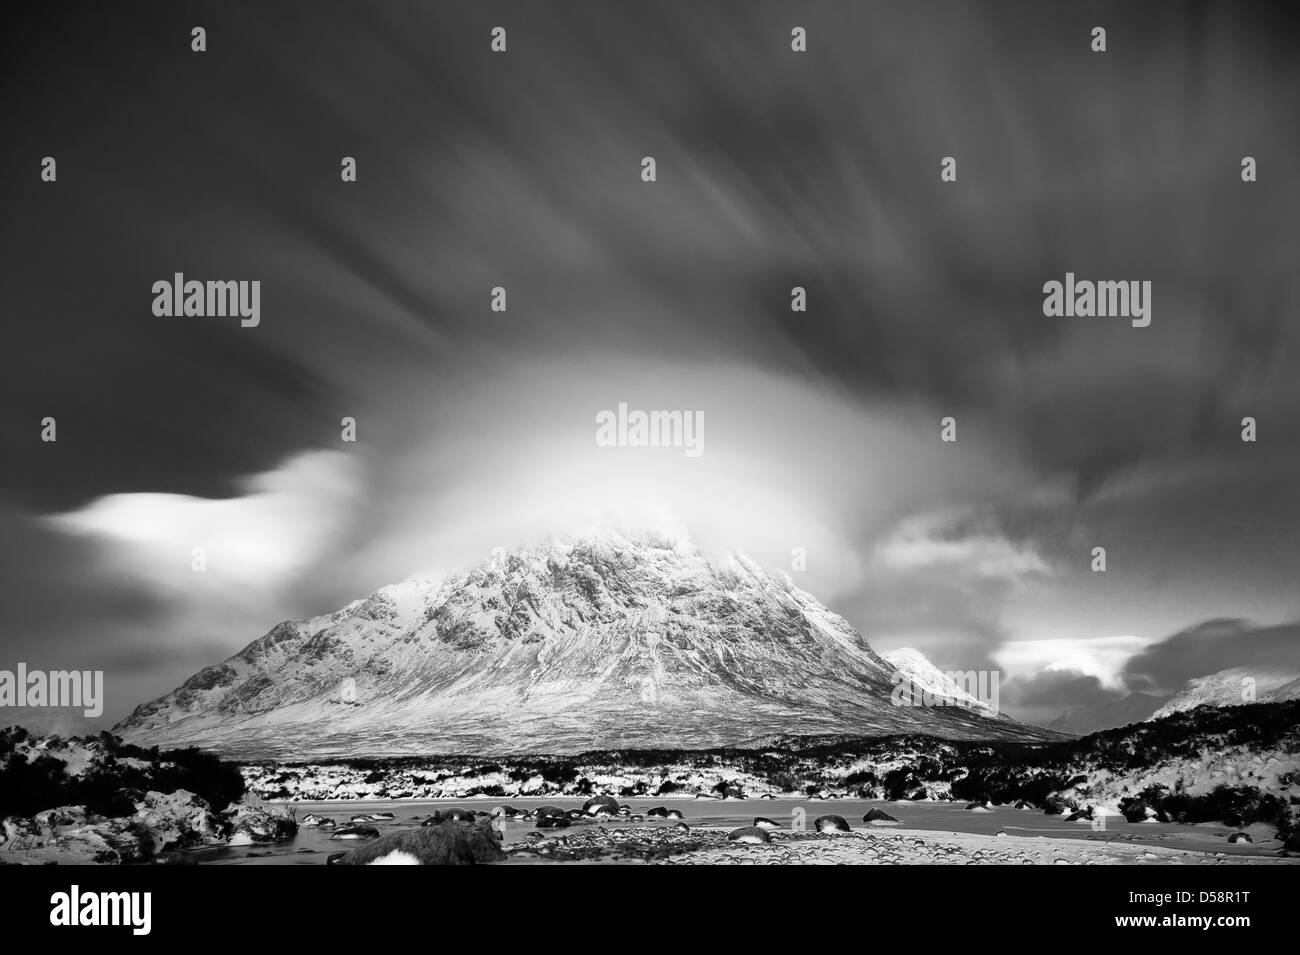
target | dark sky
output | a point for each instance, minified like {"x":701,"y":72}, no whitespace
{"x":775,"y":169}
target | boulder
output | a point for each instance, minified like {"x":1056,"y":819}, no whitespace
{"x":355,"y":832}
{"x":831,"y":823}
{"x":68,"y":835}
{"x":1055,"y":806}
{"x":107,"y":843}
{"x":455,"y":842}
{"x":257,"y":824}
{"x":878,"y":815}
{"x":601,"y":805}
{"x":48,"y":820}
{"x":457,"y":814}
{"x":1139,"y":810}
{"x":178,"y":820}
{"x":750,"y":835}
{"x":17,"y":830}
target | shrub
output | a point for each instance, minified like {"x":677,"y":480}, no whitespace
{"x":786,"y":782}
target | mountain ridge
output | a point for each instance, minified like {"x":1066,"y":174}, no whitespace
{"x":599,"y":641}
{"x":1234,"y":686}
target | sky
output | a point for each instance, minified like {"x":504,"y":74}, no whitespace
{"x":821,"y":429}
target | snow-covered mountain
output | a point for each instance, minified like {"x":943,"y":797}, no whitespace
{"x":1233,"y":687}
{"x":599,"y":642}
{"x":1225,"y":688}
{"x":1285,"y":692}
{"x":916,"y":670}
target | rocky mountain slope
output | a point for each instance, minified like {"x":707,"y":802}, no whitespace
{"x":923,"y":678}
{"x":1234,"y":687}
{"x":602,"y":641}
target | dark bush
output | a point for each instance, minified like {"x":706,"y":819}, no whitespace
{"x":1234,"y":806}
{"x":111,"y":787}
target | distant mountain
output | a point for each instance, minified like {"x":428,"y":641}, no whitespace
{"x":1235,"y":687}
{"x":599,"y":642}
{"x":1091,"y":718}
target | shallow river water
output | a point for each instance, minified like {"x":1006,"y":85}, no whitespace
{"x":312,"y":845}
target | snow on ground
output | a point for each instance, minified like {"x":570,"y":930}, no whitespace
{"x":920,"y":847}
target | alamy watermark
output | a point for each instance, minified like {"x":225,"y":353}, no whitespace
{"x":970,"y":689}
{"x":53,"y":688}
{"x":178,"y":296}
{"x":77,"y":908}
{"x":651,"y":429}
{"x":1086,"y":299}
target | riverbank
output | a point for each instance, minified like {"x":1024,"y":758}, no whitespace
{"x":698,"y":830}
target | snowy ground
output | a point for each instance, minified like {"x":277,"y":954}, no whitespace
{"x":920,"y":847}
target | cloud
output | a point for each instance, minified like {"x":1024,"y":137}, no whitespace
{"x":127,"y":599}
{"x":1102,"y":658}
{"x":821,"y":427}
{"x":283,"y":522}
{"x":1055,"y":690}
{"x":1209,"y":647}
{"x":967,"y":543}
{"x":1047,"y":676}
{"x":939,"y":578}
{"x":1044,"y":677}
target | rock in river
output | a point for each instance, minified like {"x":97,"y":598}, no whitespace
{"x":831,"y":823}
{"x":356,"y":832}
{"x":601,"y":805}
{"x":750,"y":835}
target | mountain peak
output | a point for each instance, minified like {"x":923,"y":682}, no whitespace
{"x":596,"y":640}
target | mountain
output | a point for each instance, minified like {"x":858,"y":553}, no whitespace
{"x":1224,"y":688}
{"x":923,"y":676}
{"x":1230,"y":688}
{"x":599,"y":642}
{"x":1286,"y":692}
{"x":1091,"y":718}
